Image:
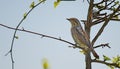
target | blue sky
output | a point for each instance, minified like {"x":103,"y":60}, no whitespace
{"x":29,"y":49}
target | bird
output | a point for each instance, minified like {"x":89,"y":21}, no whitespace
{"x":80,"y":36}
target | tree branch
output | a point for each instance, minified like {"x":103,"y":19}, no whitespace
{"x":106,"y":63}
{"x":13,"y":38}
{"x":87,"y":29}
{"x":98,"y":18}
{"x":115,"y":19}
{"x":103,"y":45}
{"x":31,"y":32}
{"x":89,"y":18}
{"x":104,"y":25}
{"x":98,"y":21}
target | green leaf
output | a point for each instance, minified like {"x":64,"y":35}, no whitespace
{"x":45,"y":64}
{"x":113,"y":8}
{"x":106,"y":58}
{"x":16,"y":37}
{"x":116,"y":17}
{"x":82,"y":51}
{"x":112,"y":67}
{"x":116,"y":3}
{"x":119,"y":63}
{"x":32,"y":5}
{"x":24,"y":15}
{"x":56,"y":3}
{"x":116,"y":60}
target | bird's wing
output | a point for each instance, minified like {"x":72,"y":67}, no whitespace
{"x":83,"y":35}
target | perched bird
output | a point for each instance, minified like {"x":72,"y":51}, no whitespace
{"x":80,"y":36}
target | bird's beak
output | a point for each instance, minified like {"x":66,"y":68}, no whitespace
{"x":68,"y":18}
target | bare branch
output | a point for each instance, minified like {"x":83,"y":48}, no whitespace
{"x":89,"y":17}
{"x":87,"y":29}
{"x":102,"y":8}
{"x":111,"y":2}
{"x":103,"y":45}
{"x":106,"y":6}
{"x":99,"y":2}
{"x":28,"y":31}
{"x":115,"y":19}
{"x":100,"y":20}
{"x":104,"y":25}
{"x":99,"y":32}
{"x":13,"y":39}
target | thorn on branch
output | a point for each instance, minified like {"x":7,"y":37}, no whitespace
{"x":7,"y":53}
{"x":42,"y":36}
{"x":72,"y":47}
{"x":23,"y":28}
{"x":10,"y":51}
{"x":75,"y":46}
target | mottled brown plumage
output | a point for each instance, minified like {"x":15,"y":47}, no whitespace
{"x":80,"y":36}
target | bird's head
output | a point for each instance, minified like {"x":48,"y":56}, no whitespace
{"x":74,"y":21}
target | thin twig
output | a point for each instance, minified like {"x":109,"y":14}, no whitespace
{"x":13,"y":38}
{"x":103,"y":45}
{"x":102,"y":19}
{"x":28,"y":31}
{"x":115,"y":19}
{"x":104,"y":25}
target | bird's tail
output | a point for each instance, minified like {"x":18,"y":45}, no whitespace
{"x":95,"y":54}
